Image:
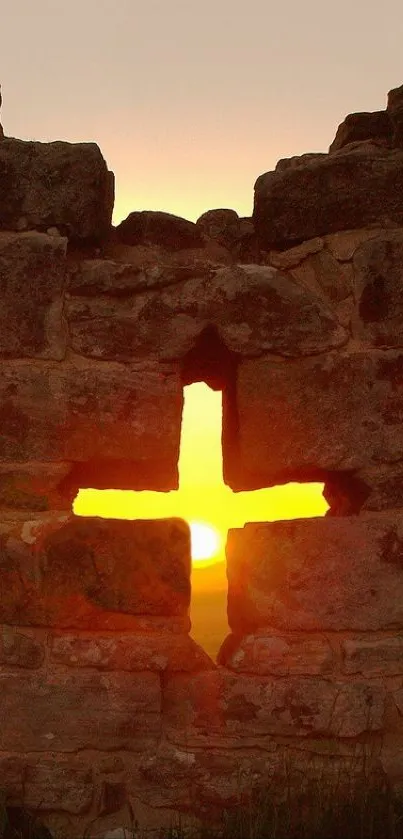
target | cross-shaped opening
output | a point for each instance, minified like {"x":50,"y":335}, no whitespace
{"x":203,"y":499}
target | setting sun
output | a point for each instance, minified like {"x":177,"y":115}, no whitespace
{"x":205,"y":541}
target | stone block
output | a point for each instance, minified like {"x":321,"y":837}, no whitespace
{"x":378,"y":288}
{"x":266,"y":654}
{"x":67,"y":712}
{"x":54,"y":783}
{"x":32,"y":276}
{"x":63,"y":185}
{"x":355,"y":187}
{"x":363,"y":126}
{"x":122,"y":423}
{"x":317,"y":574}
{"x":35,"y":487}
{"x":296,"y":422}
{"x":373,"y":655}
{"x":150,"y":227}
{"x":158,"y":651}
{"x":325,"y":276}
{"x":81,"y":572}
{"x":253,"y":308}
{"x":19,"y":648}
{"x":223,"y":708}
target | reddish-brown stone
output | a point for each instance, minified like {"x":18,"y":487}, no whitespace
{"x":117,"y":418}
{"x":317,"y":574}
{"x":80,"y":572}
{"x":32,"y":276}
{"x":65,"y":712}
{"x":63,"y":185}
{"x":158,"y":651}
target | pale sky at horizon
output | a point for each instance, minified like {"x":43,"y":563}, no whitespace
{"x":190,"y":102}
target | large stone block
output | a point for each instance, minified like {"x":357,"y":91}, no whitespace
{"x":122,"y":419}
{"x":378,"y":281}
{"x":63,"y":185}
{"x":157,"y":651}
{"x":317,"y":574}
{"x":65,"y":712}
{"x":254,"y":309}
{"x":72,"y":572}
{"x":36,"y":487}
{"x":222,"y":708}
{"x":297,"y":421}
{"x":363,"y":126}
{"x":32,"y":276}
{"x":21,"y":648}
{"x":355,"y":187}
{"x":374,"y":655}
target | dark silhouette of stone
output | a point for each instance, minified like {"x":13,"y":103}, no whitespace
{"x":363,"y":126}
{"x":395,"y":111}
{"x":157,"y":228}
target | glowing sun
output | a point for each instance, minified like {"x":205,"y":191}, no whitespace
{"x":205,"y":540}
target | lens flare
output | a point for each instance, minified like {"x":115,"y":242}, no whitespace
{"x":205,"y":541}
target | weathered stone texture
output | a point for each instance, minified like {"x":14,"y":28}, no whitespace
{"x":254,"y":308}
{"x":32,"y":276}
{"x":150,"y":227}
{"x":337,"y":412}
{"x":363,"y":126}
{"x":373,"y":655}
{"x":65,"y":712}
{"x":72,"y":572}
{"x":223,"y":708}
{"x":59,"y":412}
{"x":317,"y":574}
{"x":35,"y":487}
{"x":378,"y":281}
{"x":44,"y":185}
{"x":158,"y":651}
{"x":20,"y":649}
{"x":55,"y":783}
{"x":265,"y":653}
{"x":352,"y":188}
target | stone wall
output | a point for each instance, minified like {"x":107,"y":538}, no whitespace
{"x":109,"y":708}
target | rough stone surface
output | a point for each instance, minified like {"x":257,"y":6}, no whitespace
{"x":73,"y":572}
{"x":19,"y":649}
{"x":44,"y":185}
{"x":35,"y":487}
{"x":65,"y":712}
{"x":32,"y":276}
{"x":59,"y":784}
{"x":155,"y":651}
{"x":223,"y":225}
{"x":373,"y":655}
{"x":294,"y":256}
{"x":363,"y":126}
{"x":355,"y":187}
{"x":296,"y":422}
{"x":325,"y":276}
{"x":223,"y":708}
{"x":157,"y":228}
{"x":81,"y":413}
{"x":317,"y":574}
{"x":254,"y":308}
{"x":267,"y":654}
{"x":395,"y":113}
{"x":378,"y":280}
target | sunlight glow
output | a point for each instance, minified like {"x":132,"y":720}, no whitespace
{"x":202,"y":494}
{"x":205,"y":541}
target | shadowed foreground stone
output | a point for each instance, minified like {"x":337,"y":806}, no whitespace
{"x":80,"y":572}
{"x":351,"y":188}
{"x":317,"y":574}
{"x":378,"y":281}
{"x":63,"y":185}
{"x":295,"y":421}
{"x":32,"y":276}
{"x":58,"y":784}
